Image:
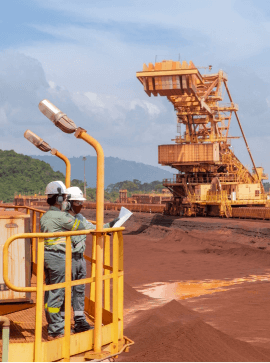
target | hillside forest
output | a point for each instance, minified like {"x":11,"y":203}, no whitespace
{"x":21,"y":174}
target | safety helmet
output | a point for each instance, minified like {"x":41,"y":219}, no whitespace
{"x":53,"y":188}
{"x":75,"y":193}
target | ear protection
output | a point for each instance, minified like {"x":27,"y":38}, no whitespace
{"x":59,"y":198}
{"x":66,"y":205}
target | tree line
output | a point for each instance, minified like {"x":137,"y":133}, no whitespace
{"x":21,"y":174}
{"x":111,"y":193}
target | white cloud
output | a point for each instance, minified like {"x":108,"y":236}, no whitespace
{"x":123,"y":127}
{"x":152,"y":109}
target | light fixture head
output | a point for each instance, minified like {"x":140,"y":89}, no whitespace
{"x":37,"y":141}
{"x":59,"y":118}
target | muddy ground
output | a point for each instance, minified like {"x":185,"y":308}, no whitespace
{"x":196,"y":289}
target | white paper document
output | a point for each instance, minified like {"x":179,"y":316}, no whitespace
{"x":124,"y":216}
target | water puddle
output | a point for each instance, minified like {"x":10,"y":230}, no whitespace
{"x":189,"y":289}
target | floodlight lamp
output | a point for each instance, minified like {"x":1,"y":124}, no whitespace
{"x":37,"y":141}
{"x":59,"y":118}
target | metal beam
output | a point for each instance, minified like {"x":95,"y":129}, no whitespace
{"x":244,"y":137}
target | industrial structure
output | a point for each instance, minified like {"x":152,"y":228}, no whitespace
{"x":211,"y":180}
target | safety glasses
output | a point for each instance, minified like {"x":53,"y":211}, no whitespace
{"x":77,"y":202}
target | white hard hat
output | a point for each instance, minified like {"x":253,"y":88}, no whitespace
{"x":75,"y":193}
{"x":53,"y":187}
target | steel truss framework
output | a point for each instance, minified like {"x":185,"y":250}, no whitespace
{"x":205,"y":120}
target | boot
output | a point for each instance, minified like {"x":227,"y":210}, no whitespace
{"x":81,"y":326}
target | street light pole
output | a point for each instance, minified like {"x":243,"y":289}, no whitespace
{"x":84,"y":158}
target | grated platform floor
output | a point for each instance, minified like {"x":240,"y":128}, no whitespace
{"x":22,"y":324}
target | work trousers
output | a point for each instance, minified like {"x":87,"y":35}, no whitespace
{"x":78,"y":292}
{"x":54,"y":268}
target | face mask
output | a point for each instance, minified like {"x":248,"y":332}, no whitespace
{"x":65,"y":206}
{"x":76,"y":208}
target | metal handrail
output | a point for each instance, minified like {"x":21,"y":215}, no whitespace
{"x":44,"y":235}
{"x":22,"y":207}
{"x":117,"y":272}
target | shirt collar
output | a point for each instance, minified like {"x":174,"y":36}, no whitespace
{"x":52,"y":207}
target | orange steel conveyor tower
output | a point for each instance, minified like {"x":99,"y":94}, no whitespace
{"x":211,"y":180}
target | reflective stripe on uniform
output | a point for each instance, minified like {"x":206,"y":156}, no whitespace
{"x":54,"y":240}
{"x":76,"y":225}
{"x":78,"y":313}
{"x":53,"y":310}
{"x":45,"y":306}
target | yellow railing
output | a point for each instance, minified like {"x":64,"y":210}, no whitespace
{"x":223,"y":197}
{"x":250,"y":199}
{"x":112,"y":318}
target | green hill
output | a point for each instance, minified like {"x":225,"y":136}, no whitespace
{"x":22,"y":174}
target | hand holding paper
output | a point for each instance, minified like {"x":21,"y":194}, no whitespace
{"x":123,"y":217}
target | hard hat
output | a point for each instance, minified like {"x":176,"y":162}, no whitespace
{"x":75,"y":193}
{"x":55,"y":187}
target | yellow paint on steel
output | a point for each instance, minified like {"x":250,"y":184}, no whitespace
{"x":177,"y":72}
{"x":121,"y":282}
{"x":41,"y":235}
{"x":63,"y":348}
{"x":34,"y":241}
{"x":68,"y":166}
{"x":16,"y":207}
{"x":39,"y":301}
{"x":66,"y":347}
{"x":115,"y":292}
{"x":107,"y":260}
{"x":82,"y":134}
{"x":93,"y":268}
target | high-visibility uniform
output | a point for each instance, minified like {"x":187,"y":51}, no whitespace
{"x":79,"y":269}
{"x":54,"y":220}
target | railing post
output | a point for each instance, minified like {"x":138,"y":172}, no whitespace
{"x":34,"y":241}
{"x":93,"y":268}
{"x":39,"y":302}
{"x":66,"y":347}
{"x":121,"y":283}
{"x":115,"y":292}
{"x":107,"y":260}
{"x":81,"y":133}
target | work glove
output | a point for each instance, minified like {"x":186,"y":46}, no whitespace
{"x":112,"y":223}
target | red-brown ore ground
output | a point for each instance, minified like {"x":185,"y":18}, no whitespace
{"x":231,"y":325}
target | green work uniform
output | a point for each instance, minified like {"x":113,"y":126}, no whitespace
{"x":54,"y":220}
{"x":79,"y":269}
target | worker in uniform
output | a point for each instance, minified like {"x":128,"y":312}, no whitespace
{"x":56,"y":220}
{"x":74,"y":205}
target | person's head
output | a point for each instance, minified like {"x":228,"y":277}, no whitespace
{"x":56,"y":193}
{"x":76,"y":199}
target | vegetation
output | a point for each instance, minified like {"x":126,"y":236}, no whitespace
{"x":136,"y":186}
{"x":23,"y":175}
{"x":78,"y":183}
{"x":111,"y":194}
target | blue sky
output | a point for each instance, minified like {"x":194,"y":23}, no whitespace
{"x":83,"y":56}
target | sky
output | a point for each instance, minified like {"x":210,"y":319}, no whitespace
{"x":83,"y":56}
